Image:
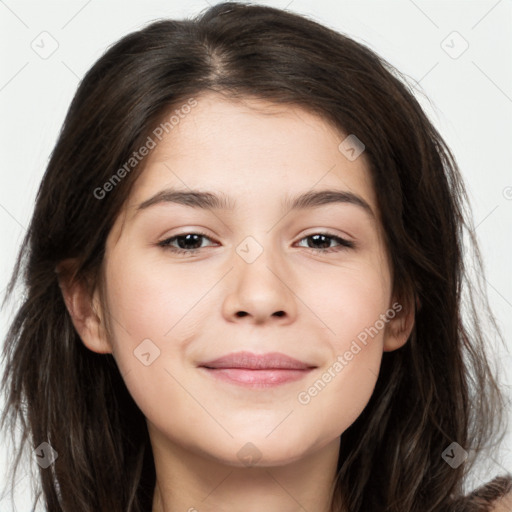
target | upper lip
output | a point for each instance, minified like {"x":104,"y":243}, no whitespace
{"x":250,"y":361}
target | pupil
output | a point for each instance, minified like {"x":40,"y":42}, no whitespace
{"x":326,"y":241}
{"x":187,"y":238}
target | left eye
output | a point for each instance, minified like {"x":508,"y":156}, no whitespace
{"x":190,"y":243}
{"x":325,"y":239}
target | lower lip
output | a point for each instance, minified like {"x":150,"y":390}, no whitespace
{"x":257,"y":378}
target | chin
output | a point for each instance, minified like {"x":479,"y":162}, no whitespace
{"x":259,"y":451}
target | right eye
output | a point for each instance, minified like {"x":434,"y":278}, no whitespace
{"x":187,"y":243}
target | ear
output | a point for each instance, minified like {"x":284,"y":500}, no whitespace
{"x":84,"y":309}
{"x":400,"y":326}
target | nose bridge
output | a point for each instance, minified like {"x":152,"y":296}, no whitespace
{"x":257,"y":262}
{"x":259,"y":289}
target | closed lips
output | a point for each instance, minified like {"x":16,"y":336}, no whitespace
{"x":250,"y":361}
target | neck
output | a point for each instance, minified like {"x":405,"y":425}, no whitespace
{"x":192,"y":482}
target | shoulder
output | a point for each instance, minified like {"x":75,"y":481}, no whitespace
{"x":495,"y":496}
{"x":503,"y":504}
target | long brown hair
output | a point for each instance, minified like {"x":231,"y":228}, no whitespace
{"x":436,"y":390}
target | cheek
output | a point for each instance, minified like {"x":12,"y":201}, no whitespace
{"x":333,"y":401}
{"x":148,"y":300}
{"x":349,"y":301}
{"x":354,"y":313}
{"x":148,"y":308}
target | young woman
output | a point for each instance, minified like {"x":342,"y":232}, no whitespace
{"x":244,"y":285}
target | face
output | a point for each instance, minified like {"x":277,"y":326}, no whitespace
{"x":190,"y":280}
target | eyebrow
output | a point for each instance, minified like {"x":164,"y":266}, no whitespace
{"x":212,"y":201}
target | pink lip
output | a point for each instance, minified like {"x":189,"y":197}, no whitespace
{"x":252,"y":370}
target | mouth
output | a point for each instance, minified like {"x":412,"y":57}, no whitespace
{"x":257,"y":371}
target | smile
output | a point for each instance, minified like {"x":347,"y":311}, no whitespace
{"x":257,"y":371}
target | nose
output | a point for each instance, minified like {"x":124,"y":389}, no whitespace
{"x":260,"y":292}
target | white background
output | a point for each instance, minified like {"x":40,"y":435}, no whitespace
{"x":469,"y":100}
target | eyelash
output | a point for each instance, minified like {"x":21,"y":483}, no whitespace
{"x":344,"y":244}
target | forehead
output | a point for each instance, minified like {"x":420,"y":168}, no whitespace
{"x":253,"y":152}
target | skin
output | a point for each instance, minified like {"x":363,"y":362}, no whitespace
{"x":257,"y":154}
{"x":504,"y":504}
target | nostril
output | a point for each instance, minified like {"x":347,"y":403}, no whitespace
{"x":241,"y":313}
{"x":279,"y":313}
